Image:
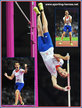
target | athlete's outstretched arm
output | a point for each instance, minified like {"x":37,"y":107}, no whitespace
{"x":54,"y":81}
{"x":25,"y":71}
{"x":70,"y":19}
{"x":9,"y":77}
{"x":58,"y":57}
{"x":65,"y":20}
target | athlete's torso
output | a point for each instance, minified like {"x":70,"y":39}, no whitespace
{"x":47,"y":54}
{"x":67,"y":20}
{"x":19,"y":76}
{"x":50,"y":61}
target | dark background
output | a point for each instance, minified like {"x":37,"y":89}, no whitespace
{"x":8,"y":87}
{"x":21,"y":28}
{"x":48,"y":96}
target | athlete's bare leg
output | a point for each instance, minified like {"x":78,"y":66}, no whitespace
{"x":70,"y":36}
{"x":44,"y":22}
{"x":20,"y":99}
{"x":63,"y":34}
{"x":16,"y":96}
{"x":39,"y":26}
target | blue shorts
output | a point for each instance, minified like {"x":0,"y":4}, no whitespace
{"x":19,"y":86}
{"x":67,"y":27}
{"x":44,"y":42}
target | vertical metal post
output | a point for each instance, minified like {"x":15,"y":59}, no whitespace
{"x":10,"y":29}
{"x":33,"y":32}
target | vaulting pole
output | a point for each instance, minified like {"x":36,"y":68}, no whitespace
{"x":68,"y":80}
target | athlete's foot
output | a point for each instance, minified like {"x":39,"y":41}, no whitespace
{"x":40,"y":5}
{"x":14,"y":104}
{"x":36,"y":10}
{"x":71,"y":43}
{"x":60,"y":43}
{"x":22,"y":103}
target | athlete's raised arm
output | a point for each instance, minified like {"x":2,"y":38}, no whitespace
{"x":54,"y":81}
{"x":70,"y":19}
{"x":25,"y":70}
{"x":58,"y":56}
{"x":65,"y":20}
{"x":9,"y":77}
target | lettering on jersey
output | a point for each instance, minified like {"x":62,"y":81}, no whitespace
{"x":46,"y":36}
{"x":47,"y":53}
{"x":17,"y":79}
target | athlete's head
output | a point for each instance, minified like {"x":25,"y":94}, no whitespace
{"x":17,"y":65}
{"x":66,"y":12}
{"x":62,"y":72}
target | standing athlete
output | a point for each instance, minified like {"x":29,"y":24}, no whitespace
{"x":67,"y":26}
{"x":52,"y":61}
{"x":18,"y":73}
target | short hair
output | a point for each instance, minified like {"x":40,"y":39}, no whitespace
{"x":17,"y":62}
{"x":66,"y":10}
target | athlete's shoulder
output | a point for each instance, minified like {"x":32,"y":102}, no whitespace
{"x":13,"y":71}
{"x":21,"y":69}
{"x":70,"y":16}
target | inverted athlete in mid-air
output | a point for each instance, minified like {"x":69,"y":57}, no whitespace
{"x":52,"y":61}
{"x":67,"y":26}
{"x":19,"y":83}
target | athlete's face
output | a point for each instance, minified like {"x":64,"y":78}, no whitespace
{"x":17,"y":66}
{"x":66,"y":13}
{"x":63,"y":72}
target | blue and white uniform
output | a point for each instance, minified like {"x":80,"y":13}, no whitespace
{"x":19,"y":79}
{"x":67,"y":25}
{"x":46,"y":49}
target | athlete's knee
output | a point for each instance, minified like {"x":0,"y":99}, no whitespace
{"x":63,"y":33}
{"x":70,"y":33}
{"x":17,"y":92}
